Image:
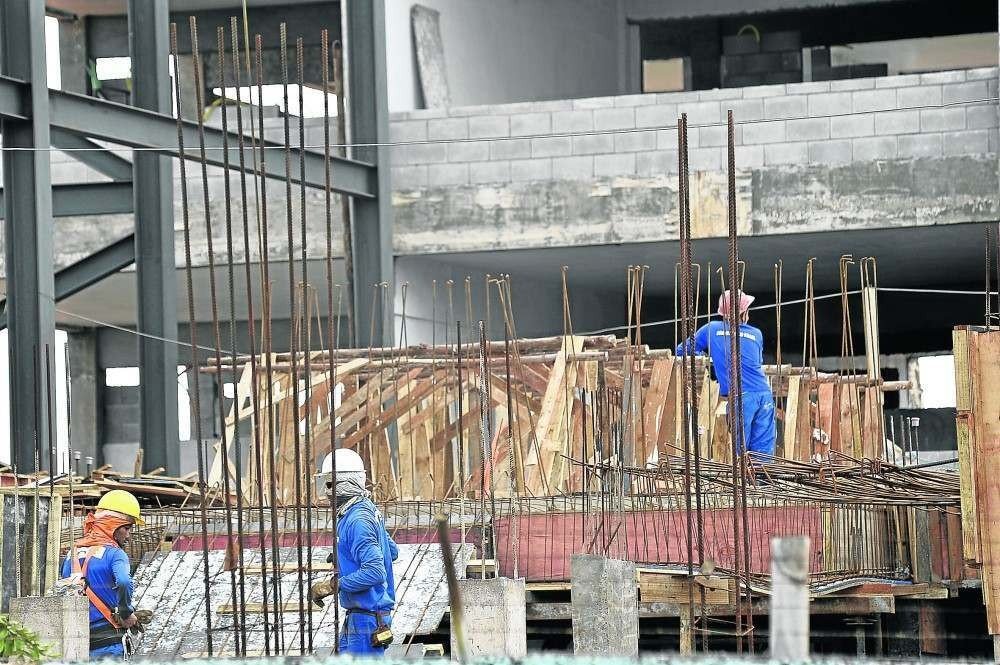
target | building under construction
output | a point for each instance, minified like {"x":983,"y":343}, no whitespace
{"x":483,"y":295}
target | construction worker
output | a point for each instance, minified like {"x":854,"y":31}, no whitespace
{"x":365,"y":552}
{"x":758,"y":402}
{"x":99,"y":560}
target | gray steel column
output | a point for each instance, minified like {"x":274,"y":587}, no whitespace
{"x":368,"y":122}
{"x":28,"y":231}
{"x":154,"y":239}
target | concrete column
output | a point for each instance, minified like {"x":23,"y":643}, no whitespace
{"x":73,"y":55}
{"x":605,"y":606}
{"x":85,"y":392}
{"x":790,"y":598}
{"x":62,"y":622}
{"x":494,"y":613}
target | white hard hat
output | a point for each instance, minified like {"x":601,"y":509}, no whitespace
{"x":347,"y":460}
{"x":349,"y":464}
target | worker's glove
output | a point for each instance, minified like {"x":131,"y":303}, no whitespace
{"x":143,"y":617}
{"x":321,"y":590}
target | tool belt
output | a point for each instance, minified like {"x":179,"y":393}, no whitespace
{"x":382,"y":635}
{"x":105,"y":636}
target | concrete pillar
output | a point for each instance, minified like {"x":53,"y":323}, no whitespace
{"x":86,"y":384}
{"x":73,"y":55}
{"x":62,"y":622}
{"x":494,"y":614}
{"x":790,"y":598}
{"x":605,"y":606}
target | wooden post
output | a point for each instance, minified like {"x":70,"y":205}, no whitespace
{"x":790,"y":598}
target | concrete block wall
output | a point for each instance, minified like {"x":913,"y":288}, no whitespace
{"x":827,"y":122}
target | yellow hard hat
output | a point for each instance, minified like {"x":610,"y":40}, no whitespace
{"x":122,"y":502}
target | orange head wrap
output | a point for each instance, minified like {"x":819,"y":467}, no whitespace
{"x":99,"y":528}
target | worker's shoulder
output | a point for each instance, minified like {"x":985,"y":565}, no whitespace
{"x":753,"y":330}
{"x":364,"y":510}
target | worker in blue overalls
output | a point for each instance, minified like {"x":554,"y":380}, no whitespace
{"x":100,"y":563}
{"x":365,"y":552}
{"x":758,"y":401}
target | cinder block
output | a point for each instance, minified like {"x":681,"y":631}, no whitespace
{"x":439,"y":175}
{"x":657,"y":162}
{"x":644,"y":99}
{"x":792,"y":106}
{"x":865,"y":101}
{"x":919,"y":145}
{"x":635,"y":141}
{"x":552,"y":146}
{"x":994,"y":140}
{"x":594,"y":103}
{"x":495,"y":624}
{"x":409,"y":177}
{"x":850,"y":126}
{"x":705,"y":159}
{"x":809,"y":88}
{"x":666,"y":139}
{"x":807,"y":129}
{"x":419,"y":153}
{"x":786,"y":153}
{"x":527,"y":170}
{"x":408,"y":130}
{"x":954,"y":76}
{"x":469,"y":151}
{"x":897,"y":122}
{"x":970,"y":142}
{"x":719,"y":95}
{"x":764,"y":132}
{"x":981,"y":116}
{"x":527,"y":124}
{"x":573,"y":168}
{"x":488,"y":172}
{"x":971,"y":91}
{"x":700,"y":113}
{"x":749,"y":156}
{"x":924,"y":95}
{"x":874,"y":147}
{"x":901,"y":81}
{"x":763,"y":91}
{"x":942,"y":120}
{"x":981,"y":73}
{"x":489,"y":127}
{"x":62,"y":622}
{"x":593,"y":144}
{"x":660,"y":115}
{"x":852,"y":84}
{"x":716,"y":135}
{"x":678,"y":97}
{"x":475,"y":110}
{"x":447,"y":129}
{"x":573,"y":121}
{"x":608,"y":166}
{"x":614,"y":118}
{"x":744,"y":109}
{"x":510,"y":149}
{"x":829,"y":103}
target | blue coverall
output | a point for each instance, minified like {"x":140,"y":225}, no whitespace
{"x":109,"y":576}
{"x":758,"y":402}
{"x":365,"y":553}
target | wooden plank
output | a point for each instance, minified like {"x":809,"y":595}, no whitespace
{"x":984,"y":369}
{"x":967,"y":484}
{"x":789,"y":435}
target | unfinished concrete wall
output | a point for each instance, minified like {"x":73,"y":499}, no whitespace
{"x":863,"y":153}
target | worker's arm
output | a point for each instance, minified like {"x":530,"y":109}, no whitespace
{"x":393,"y":548}
{"x":120,"y":571}
{"x":365,"y":550}
{"x":696,"y":344}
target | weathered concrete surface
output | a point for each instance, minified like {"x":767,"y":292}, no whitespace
{"x":494,"y":613}
{"x":605,"y":606}
{"x":61,"y":622}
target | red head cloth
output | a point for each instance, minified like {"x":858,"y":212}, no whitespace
{"x":745,"y":300}
{"x":99,"y":528}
